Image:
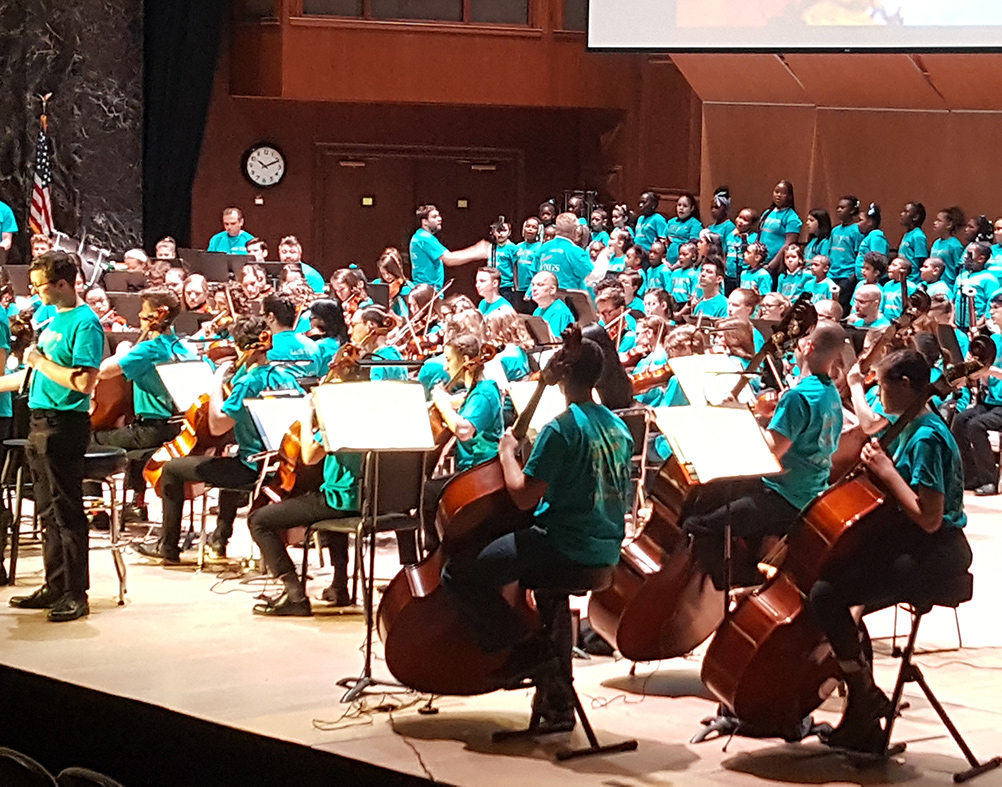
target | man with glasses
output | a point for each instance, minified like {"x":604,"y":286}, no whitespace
{"x":63,"y":370}
{"x":152,"y":404}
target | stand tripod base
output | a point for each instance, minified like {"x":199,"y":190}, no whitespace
{"x":357,"y":687}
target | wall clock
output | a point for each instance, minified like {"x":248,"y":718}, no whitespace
{"x":264,"y":165}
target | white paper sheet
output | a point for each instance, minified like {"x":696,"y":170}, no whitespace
{"x":386,"y":415}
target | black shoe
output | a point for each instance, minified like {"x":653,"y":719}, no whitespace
{"x":338,"y":596}
{"x":157,"y":552}
{"x":529,"y":659}
{"x":863,"y":739}
{"x":69,"y":608}
{"x":986,"y":489}
{"x":101,"y":521}
{"x":43,"y":598}
{"x":284,"y":607}
{"x":135,"y":514}
{"x":216,"y":551}
{"x":551,"y":719}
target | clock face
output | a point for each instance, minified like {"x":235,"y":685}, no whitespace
{"x":264,"y":165}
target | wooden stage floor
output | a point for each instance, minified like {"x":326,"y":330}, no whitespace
{"x":188,"y":642}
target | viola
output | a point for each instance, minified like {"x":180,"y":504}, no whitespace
{"x":770,"y":634}
{"x":427,"y":645}
{"x":439,"y":429}
{"x":651,"y":378}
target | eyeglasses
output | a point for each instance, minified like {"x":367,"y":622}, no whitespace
{"x":147,"y":316}
{"x":34,"y":288}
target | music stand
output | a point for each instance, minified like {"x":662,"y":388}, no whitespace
{"x":379,"y":293}
{"x":538,"y":328}
{"x":580,"y":303}
{"x":370,"y":432}
{"x":185,"y":381}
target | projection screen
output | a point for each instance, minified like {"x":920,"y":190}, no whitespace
{"x":795,"y":25}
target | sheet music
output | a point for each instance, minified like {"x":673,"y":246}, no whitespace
{"x":494,"y":370}
{"x":385,"y":415}
{"x":718,"y":442}
{"x":274,"y":416}
{"x":550,"y":405}
{"x":710,"y":378}
{"x":185,"y":381}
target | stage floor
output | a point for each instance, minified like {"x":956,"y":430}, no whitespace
{"x":188,"y":642}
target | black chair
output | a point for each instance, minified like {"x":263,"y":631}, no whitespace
{"x":553,"y":600}
{"x":947,"y":594}
{"x":19,"y":770}
{"x":85,"y":777}
{"x":101,"y":466}
{"x":398,"y":492}
{"x":15,"y":490}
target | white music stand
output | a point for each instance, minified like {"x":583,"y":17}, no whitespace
{"x":709,"y":379}
{"x":185,"y":381}
{"x":372,"y":418}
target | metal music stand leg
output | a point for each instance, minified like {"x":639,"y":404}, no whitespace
{"x":357,"y":686}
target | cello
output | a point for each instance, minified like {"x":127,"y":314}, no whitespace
{"x":770,"y":633}
{"x":661,"y":603}
{"x":427,"y":646}
{"x":195,"y":437}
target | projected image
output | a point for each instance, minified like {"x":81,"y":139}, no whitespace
{"x":792,"y":25}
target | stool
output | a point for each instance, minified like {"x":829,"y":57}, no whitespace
{"x":16,"y":458}
{"x":951,"y":593}
{"x":556,"y":591}
{"x":101,"y":465}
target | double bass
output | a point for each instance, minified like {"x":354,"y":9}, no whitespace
{"x":427,"y":646}
{"x":769,"y":663}
{"x":661,"y":603}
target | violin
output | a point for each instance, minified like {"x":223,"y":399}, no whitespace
{"x":439,"y":428}
{"x":650,"y":378}
{"x":769,"y":663}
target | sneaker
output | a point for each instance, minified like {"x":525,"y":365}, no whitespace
{"x":43,"y":598}
{"x":216,"y":551}
{"x":157,"y":552}
{"x":68,"y":608}
{"x":986,"y":489}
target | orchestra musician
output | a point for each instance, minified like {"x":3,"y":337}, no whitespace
{"x":803,"y":434}
{"x":152,"y":405}
{"x":368,"y":330}
{"x":921,"y":542}
{"x":64,"y":366}
{"x":328,"y":330}
{"x":196,"y":293}
{"x":111,"y":320}
{"x":348,"y":286}
{"x":230,"y":473}
{"x":295,"y":351}
{"x":610,"y":303}
{"x":390,"y":267}
{"x":577,"y":481}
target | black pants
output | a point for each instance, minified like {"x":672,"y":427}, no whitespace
{"x":753,"y":511}
{"x":222,"y":471}
{"x":140,"y":434}
{"x":267,"y":523}
{"x":57,"y":443}
{"x":903,"y":560}
{"x":846,"y":287}
{"x":970,"y":429}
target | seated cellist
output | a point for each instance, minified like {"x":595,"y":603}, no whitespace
{"x":921,"y":541}
{"x":802,"y":434}
{"x":577,"y":480}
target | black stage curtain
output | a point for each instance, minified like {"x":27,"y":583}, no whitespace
{"x":180,"y":50}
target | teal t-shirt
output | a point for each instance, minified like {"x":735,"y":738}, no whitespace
{"x":810,"y":416}
{"x":6,"y":402}
{"x":711,"y":307}
{"x":73,"y":338}
{"x":515,"y":362}
{"x":816,"y":246}
{"x":486,"y":308}
{"x":433,"y":372}
{"x":313,"y":277}
{"x":879,"y":322}
{"x":649,"y":229}
{"x":426,"y":259}
{"x":982,"y":285}
{"x":792,"y":284}
{"x":583,"y":455}
{"x":295,"y":351}
{"x":845,"y":240}
{"x":951,"y":252}
{"x":875,"y":240}
{"x":342,"y":471}
{"x":7,"y":221}
{"x":678,"y":232}
{"x":504,"y":261}
{"x":250,"y":386}
{"x":938,"y":287}
{"x":734,"y":246}
{"x":557,"y":316}
{"x":683,"y":284}
{"x":914,"y":247}
{"x":660,"y":277}
{"x":482,"y":408}
{"x":993,"y":396}
{"x":759,"y":280}
{"x":230,"y":244}
{"x":388,"y":372}
{"x":820,"y":290}
{"x":774,"y":228}
{"x":723,"y":229}
{"x":890,"y":303}
{"x":149,"y":395}
{"x":327,"y":348}
{"x":526,"y":257}
{"x":569,"y":263}
{"x":925,"y":454}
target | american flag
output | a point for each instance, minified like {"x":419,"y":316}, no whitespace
{"x":40,"y":217}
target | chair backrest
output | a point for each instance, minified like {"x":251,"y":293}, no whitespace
{"x":84,"y":777}
{"x":19,"y":770}
{"x":636,"y":421}
{"x":399,"y":481}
